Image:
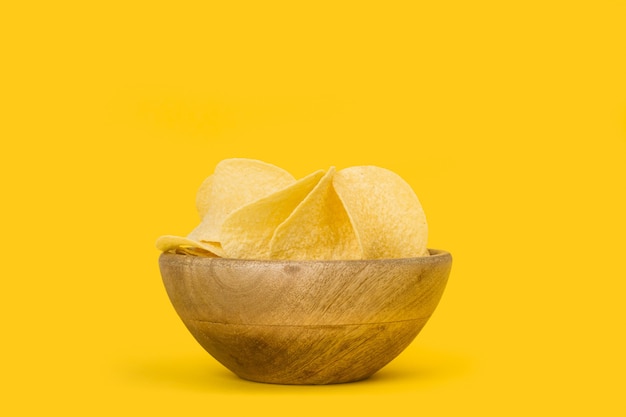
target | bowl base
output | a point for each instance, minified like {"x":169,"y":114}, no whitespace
{"x":305,"y":355}
{"x":305,"y":383}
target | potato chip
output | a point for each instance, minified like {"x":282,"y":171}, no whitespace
{"x":384,"y":210}
{"x":234,"y":183}
{"x":318,"y":228}
{"x":247,"y":232}
{"x":254,"y":210}
{"x":178,"y":243}
{"x":203,"y":196}
{"x":187,"y":250}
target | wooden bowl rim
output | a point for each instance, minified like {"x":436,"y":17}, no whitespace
{"x":436,"y":256}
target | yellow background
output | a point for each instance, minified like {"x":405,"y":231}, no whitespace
{"x":507,"y":118}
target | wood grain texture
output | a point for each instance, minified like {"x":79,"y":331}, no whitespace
{"x":305,"y":322}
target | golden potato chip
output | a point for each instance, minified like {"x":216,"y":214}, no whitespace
{"x":251,"y":209}
{"x":178,"y":243}
{"x":318,"y":228}
{"x":384,"y":210}
{"x":184,"y":250}
{"x":234,"y":183}
{"x":203,"y":196}
{"x":247,"y":232}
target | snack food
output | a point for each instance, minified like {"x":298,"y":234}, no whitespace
{"x":253,"y":210}
{"x":384,"y":211}
{"x":235,"y":183}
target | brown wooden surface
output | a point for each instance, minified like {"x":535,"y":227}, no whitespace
{"x":304,"y":322}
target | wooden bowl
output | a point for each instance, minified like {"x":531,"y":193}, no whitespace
{"x":305,"y":322}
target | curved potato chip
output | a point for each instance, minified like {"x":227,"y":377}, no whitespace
{"x":247,"y":232}
{"x":385,"y":212}
{"x":168,"y":243}
{"x":234,"y":183}
{"x":204,"y":196}
{"x":318,"y":228}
